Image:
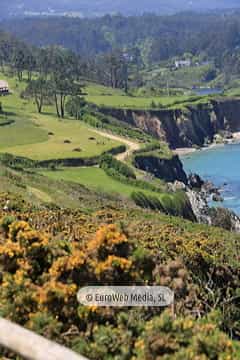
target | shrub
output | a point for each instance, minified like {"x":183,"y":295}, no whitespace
{"x":115,"y":167}
{"x":41,"y":273}
{"x":75,"y":106}
{"x":146,"y":201}
{"x":168,"y":204}
{"x":91,"y":120}
{"x":17,"y":161}
{"x":183,"y":338}
{"x":153,"y":105}
{"x":153,"y":145}
{"x":6,"y":222}
{"x":140,"y":199}
{"x":116,"y":150}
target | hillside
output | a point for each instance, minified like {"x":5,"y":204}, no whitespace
{"x":147,"y":40}
{"x":68,"y":245}
{"x":74,"y":151}
{"x":92,"y":193}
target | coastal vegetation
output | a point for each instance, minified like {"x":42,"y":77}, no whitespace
{"x":75,"y":246}
{"x":91,"y":191}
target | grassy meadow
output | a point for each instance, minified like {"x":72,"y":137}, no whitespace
{"x":106,"y":97}
{"x":102,"y":96}
{"x":121,"y":100}
{"x":96,"y":179}
{"x":65,"y":136}
{"x":44,"y":136}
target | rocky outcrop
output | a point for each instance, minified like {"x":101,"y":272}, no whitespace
{"x":199,"y":206}
{"x":191,"y":126}
{"x":195,"y":181}
{"x":225,"y":219}
{"x":214,"y":216}
{"x":169,"y":170}
{"x":217,"y":198}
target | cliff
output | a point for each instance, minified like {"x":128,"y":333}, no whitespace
{"x":186,"y":127}
{"x":169,"y":170}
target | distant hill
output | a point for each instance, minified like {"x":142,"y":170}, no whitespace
{"x":158,"y":37}
{"x":100,"y":7}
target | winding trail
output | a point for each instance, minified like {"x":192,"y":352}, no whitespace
{"x":131,"y":145}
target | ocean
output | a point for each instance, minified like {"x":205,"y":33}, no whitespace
{"x":220,"y":165}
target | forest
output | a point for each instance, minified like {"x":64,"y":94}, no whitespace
{"x":136,"y":51}
{"x":157,"y":37}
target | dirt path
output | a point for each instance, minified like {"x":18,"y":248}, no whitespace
{"x":131,"y":146}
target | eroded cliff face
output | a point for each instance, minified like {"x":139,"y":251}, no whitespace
{"x":169,"y":170}
{"x":185,"y":127}
{"x":192,"y":125}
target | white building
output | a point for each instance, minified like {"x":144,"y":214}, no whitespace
{"x":182,"y":63}
{"x":4,"y":87}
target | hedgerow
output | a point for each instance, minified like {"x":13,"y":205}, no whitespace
{"x":116,"y":168}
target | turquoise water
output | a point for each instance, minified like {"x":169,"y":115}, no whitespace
{"x":221,"y":165}
{"x":207,"y":91}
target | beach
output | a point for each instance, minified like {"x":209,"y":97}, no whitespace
{"x":186,"y":151}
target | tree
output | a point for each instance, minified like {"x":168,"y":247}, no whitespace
{"x":58,"y":72}
{"x":61,"y":88}
{"x":39,"y":89}
{"x":63,"y":78}
{"x":44,"y":62}
{"x":75,"y":106}
{"x":112,"y":69}
{"x":19,"y":62}
{"x":30,"y":63}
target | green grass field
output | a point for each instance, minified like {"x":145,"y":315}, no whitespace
{"x":22,"y":132}
{"x":103,"y":96}
{"x":45,"y":147}
{"x":233,"y":92}
{"x":107,"y":97}
{"x":130,"y":102}
{"x":93,"y":89}
{"x":96,"y":179}
{"x":29,"y":135}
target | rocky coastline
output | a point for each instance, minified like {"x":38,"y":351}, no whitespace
{"x":197,"y":127}
{"x":194,"y":126}
{"x":199,"y":192}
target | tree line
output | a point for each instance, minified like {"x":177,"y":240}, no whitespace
{"x":157,"y":38}
{"x":57,"y":74}
{"x":112,"y":50}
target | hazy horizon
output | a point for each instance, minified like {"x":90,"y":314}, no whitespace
{"x":101,"y":7}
